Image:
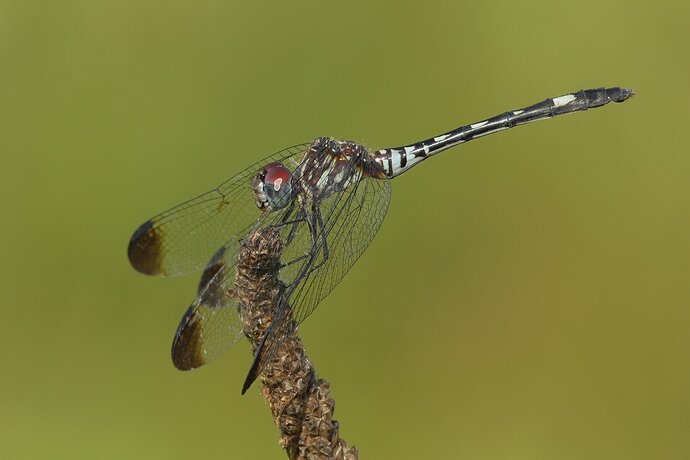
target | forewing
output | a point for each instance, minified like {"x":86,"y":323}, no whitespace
{"x":351,"y":219}
{"x":182,"y":239}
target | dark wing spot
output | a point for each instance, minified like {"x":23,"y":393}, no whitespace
{"x":186,"y":350}
{"x":211,"y":288}
{"x":144,"y":249}
{"x":212,"y":267}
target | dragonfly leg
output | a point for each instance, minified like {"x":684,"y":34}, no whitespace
{"x":322,"y":232}
{"x":300,"y":218}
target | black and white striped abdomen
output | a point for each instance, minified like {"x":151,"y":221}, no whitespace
{"x":396,"y":161}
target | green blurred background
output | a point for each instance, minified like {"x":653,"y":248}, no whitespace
{"x":527,"y":296}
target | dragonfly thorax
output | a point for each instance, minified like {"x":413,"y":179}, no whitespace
{"x":330,"y":166}
{"x":272,"y":187}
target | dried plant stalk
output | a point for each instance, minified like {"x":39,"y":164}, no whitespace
{"x":301,"y":404}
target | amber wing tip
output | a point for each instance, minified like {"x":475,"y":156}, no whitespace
{"x":144,"y":249}
{"x":186,"y":348}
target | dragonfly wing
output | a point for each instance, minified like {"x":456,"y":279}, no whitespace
{"x":182,"y":239}
{"x":211,"y":324}
{"x":350,"y":220}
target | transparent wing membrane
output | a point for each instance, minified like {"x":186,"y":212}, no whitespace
{"x":182,"y":239}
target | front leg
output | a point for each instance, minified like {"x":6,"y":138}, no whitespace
{"x":320,"y":229}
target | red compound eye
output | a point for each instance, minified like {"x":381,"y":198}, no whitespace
{"x":277,"y":176}
{"x":273,"y":187}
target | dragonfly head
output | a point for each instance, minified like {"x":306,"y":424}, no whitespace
{"x":272,"y":187}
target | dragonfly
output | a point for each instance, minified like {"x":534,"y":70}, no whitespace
{"x":327,"y":200}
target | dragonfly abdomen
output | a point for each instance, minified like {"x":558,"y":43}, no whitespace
{"x":396,"y":161}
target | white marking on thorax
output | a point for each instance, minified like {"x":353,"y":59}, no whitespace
{"x":323,"y":180}
{"x":355,"y":176}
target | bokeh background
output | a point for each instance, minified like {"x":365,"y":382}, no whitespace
{"x":527,"y":296}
